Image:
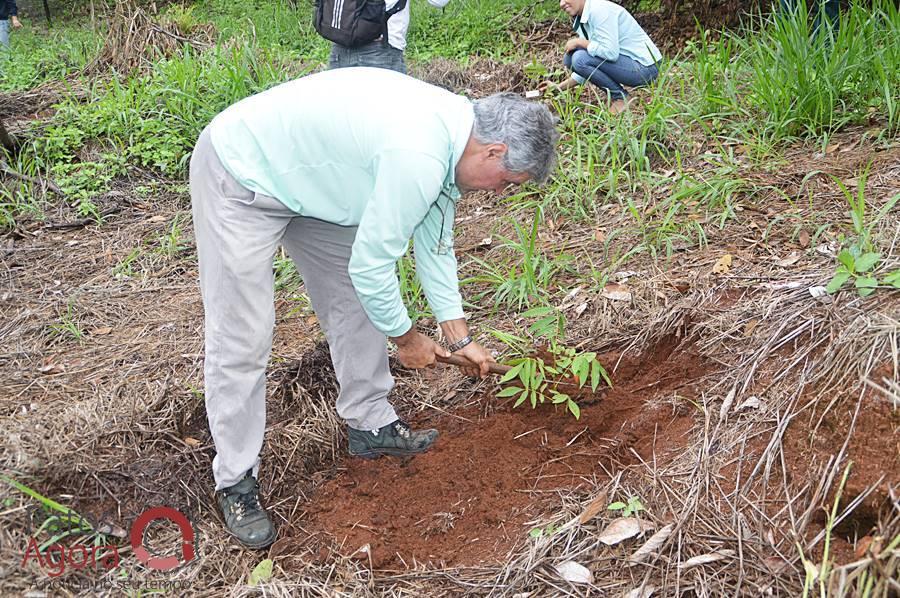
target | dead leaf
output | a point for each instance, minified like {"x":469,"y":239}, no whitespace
{"x":723,"y":264}
{"x":620,"y":529}
{"x":703,"y":559}
{"x":803,"y":239}
{"x":51,"y":368}
{"x":486,"y":242}
{"x":790,"y":260}
{"x":616,"y":292}
{"x":750,"y":403}
{"x":599,"y":236}
{"x":101,"y":331}
{"x":651,"y":545}
{"x":642,"y":592}
{"x":682,"y":286}
{"x":191,"y":442}
{"x":596,"y":506}
{"x":832,"y":148}
{"x":580,"y":309}
{"x":749,"y":327}
{"x":574,"y":572}
{"x":726,"y":404}
{"x":868,"y":545}
{"x":158,"y":219}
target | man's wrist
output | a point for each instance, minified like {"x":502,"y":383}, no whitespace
{"x":405,"y":338}
{"x":463,"y":342}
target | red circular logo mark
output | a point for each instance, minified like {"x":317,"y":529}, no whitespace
{"x":157,"y":562}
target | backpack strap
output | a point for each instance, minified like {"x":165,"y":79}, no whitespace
{"x":400,"y":5}
{"x":579,"y":25}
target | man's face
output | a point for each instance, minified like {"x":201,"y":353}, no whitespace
{"x":572,"y":7}
{"x":484,"y":171}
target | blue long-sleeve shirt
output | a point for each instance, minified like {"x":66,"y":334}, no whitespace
{"x":361,"y":147}
{"x":611,"y":31}
{"x":8,"y":9}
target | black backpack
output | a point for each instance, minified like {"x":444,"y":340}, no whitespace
{"x":353,"y":23}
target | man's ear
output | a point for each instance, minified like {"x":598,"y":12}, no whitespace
{"x":496,"y":151}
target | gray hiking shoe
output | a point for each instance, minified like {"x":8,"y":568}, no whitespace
{"x":396,"y":439}
{"x":244,"y":516}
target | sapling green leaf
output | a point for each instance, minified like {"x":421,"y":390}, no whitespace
{"x":893,"y":279}
{"x":511,"y":374}
{"x":509,"y":391}
{"x":845,"y":257}
{"x":865,"y":285}
{"x":867,"y":261}
{"x":840,"y":277}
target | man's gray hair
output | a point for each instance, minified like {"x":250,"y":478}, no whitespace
{"x":527,"y":128}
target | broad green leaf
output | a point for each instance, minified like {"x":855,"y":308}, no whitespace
{"x":893,"y":279}
{"x":509,"y":391}
{"x":560,"y":398}
{"x":261,"y":573}
{"x":846,"y":258}
{"x":511,"y":373}
{"x":595,"y":375}
{"x":536,"y":532}
{"x":865,"y":285}
{"x":616,"y":506}
{"x":521,"y":399}
{"x":575,"y":409}
{"x":867,"y":261}
{"x":840,"y":277}
{"x":534,"y":398}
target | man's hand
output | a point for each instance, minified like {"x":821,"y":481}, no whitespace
{"x":415,"y":350}
{"x":16,"y":23}
{"x":479,"y":356}
{"x":548,"y":86}
{"x":576,"y":43}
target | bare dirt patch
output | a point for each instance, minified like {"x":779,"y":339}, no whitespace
{"x":474,"y":497}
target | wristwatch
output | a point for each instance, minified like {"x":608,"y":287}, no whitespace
{"x":454,"y":347}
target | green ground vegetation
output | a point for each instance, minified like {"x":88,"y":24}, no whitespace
{"x":748,"y":94}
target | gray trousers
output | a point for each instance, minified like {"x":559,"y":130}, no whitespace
{"x":238,"y":232}
{"x":375,"y":54}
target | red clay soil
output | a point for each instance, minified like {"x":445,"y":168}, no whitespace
{"x":874,"y":450}
{"x":477,"y":493}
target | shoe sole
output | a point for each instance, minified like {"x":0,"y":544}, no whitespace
{"x":375,"y":454}
{"x":261,"y":544}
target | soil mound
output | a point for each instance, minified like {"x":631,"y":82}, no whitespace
{"x":491,"y":478}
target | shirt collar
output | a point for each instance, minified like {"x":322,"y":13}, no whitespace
{"x":585,"y":15}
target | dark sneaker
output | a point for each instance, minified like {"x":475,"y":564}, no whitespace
{"x":244,"y":516}
{"x":396,"y":439}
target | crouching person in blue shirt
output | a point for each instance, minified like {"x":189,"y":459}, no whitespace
{"x":343,"y":185}
{"x":611,"y":50}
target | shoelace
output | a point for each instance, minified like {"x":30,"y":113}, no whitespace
{"x":402,"y":429}
{"x":245,"y":502}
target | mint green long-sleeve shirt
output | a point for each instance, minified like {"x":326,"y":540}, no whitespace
{"x":611,"y":31}
{"x":361,"y":147}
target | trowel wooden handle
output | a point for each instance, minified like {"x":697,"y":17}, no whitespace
{"x":495,"y":368}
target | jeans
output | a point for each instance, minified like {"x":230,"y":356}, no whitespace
{"x":4,"y":33}
{"x":375,"y":54}
{"x":610,"y":74}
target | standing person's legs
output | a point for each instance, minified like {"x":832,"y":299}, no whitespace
{"x":4,"y":33}
{"x":321,"y":251}
{"x":375,"y":54}
{"x":237,"y":233}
